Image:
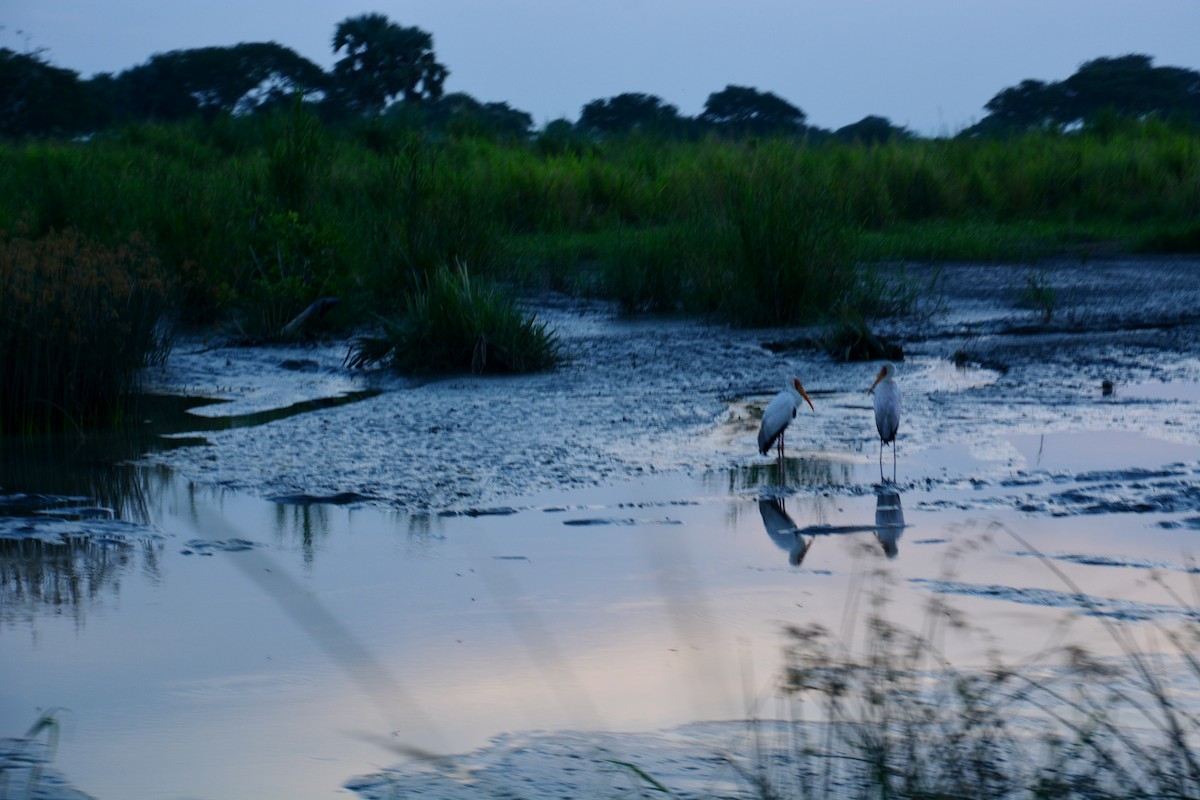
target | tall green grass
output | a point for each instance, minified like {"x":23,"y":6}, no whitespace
{"x":758,"y":232}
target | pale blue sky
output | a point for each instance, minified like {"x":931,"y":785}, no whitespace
{"x":927,"y":64}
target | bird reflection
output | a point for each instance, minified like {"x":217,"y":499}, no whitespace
{"x":889,"y":525}
{"x":783,"y":530}
{"x":889,"y":521}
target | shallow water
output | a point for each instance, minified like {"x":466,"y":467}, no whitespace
{"x":628,"y":569}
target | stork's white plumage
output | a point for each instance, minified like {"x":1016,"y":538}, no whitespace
{"x":887,"y":411}
{"x":778,"y":415}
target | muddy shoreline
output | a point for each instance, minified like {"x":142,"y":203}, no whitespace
{"x":643,"y":396}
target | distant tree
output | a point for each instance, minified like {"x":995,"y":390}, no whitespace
{"x":212,"y":80}
{"x":461,"y":113}
{"x":280,"y":75}
{"x":628,"y":112}
{"x":561,"y":136}
{"x":382,"y":60}
{"x":1125,"y":86}
{"x":1131,"y":86}
{"x":872,"y":130}
{"x":1029,"y":104}
{"x":38,"y":99}
{"x":741,"y":109}
{"x":107,"y":99}
{"x":155,"y":90}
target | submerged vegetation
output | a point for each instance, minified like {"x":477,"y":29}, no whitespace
{"x":252,"y":219}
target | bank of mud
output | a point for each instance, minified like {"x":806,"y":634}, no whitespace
{"x":644,"y":396}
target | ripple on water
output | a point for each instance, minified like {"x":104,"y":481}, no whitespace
{"x":1089,"y":605}
{"x":207,"y":547}
{"x":76,"y":529}
{"x":1098,"y":560}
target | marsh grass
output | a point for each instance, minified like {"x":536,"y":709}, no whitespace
{"x":289,"y":265}
{"x":756,"y":232}
{"x":78,"y":319}
{"x":792,"y":253}
{"x":454,"y":323}
{"x":760,"y":237}
{"x":651,"y":270}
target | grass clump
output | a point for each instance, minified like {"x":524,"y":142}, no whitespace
{"x":756,"y":236}
{"x":453,"y":324}
{"x":78,"y":319}
{"x":1038,"y":295}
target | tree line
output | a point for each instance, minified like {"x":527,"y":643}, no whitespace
{"x":386,"y":70}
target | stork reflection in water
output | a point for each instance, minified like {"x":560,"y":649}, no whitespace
{"x":889,"y":521}
{"x":888,"y":527}
{"x":783,"y":530}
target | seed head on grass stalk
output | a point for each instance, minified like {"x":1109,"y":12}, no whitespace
{"x":78,"y":320}
{"x":452,"y":324}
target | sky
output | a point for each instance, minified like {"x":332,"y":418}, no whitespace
{"x":930,"y":65}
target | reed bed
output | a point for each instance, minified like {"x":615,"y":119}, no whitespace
{"x":78,"y":319}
